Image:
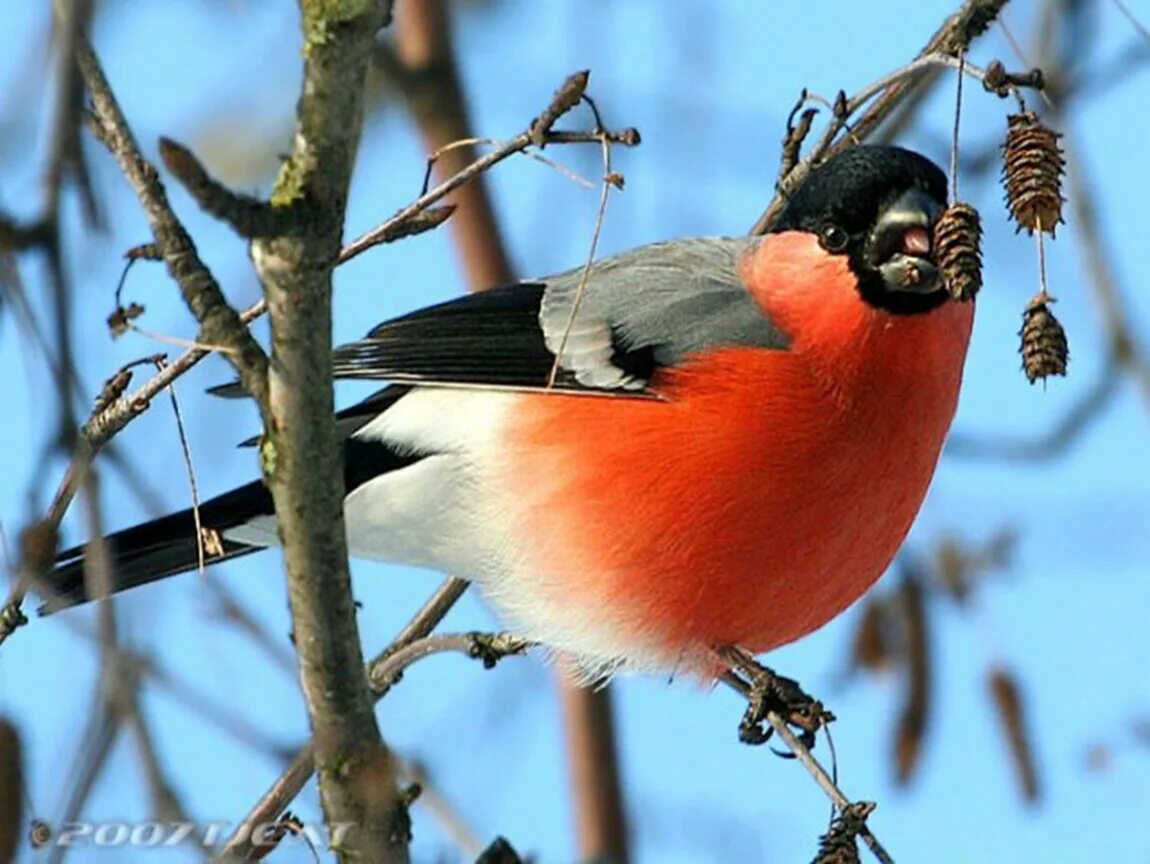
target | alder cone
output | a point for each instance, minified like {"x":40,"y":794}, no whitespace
{"x":958,"y":250}
{"x":1044,"y":348}
{"x":1032,"y":173}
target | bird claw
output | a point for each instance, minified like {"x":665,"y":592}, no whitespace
{"x":490,"y":648}
{"x":771,"y":693}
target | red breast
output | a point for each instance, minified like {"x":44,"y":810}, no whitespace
{"x":767,"y":491}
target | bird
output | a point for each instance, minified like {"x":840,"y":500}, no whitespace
{"x":695,"y":444}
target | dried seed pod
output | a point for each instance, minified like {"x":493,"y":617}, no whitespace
{"x":914,"y":715}
{"x":212,"y":541}
{"x":1032,"y":173}
{"x":958,"y":250}
{"x":952,"y":564}
{"x":1044,"y":349}
{"x":838,"y":845}
{"x":872,"y":650}
{"x":1011,"y":714}
{"x":39,"y":834}
{"x":120,"y":321}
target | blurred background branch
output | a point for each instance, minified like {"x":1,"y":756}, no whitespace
{"x":422,"y":63}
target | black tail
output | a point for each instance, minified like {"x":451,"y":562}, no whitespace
{"x":161,"y":548}
{"x":167,"y":546}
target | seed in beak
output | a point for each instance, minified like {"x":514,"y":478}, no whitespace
{"x":916,"y":242}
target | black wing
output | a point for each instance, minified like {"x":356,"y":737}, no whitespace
{"x":491,"y":338}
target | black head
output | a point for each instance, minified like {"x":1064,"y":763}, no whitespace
{"x":877,"y":206}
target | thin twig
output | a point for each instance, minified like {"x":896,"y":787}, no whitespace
{"x":71,"y":21}
{"x":484,"y":163}
{"x":228,"y":609}
{"x":290,"y":783}
{"x":102,"y":426}
{"x":190,"y":468}
{"x":176,"y":341}
{"x":796,"y":134}
{"x":1143,"y":31}
{"x":220,"y":324}
{"x":486,"y":647}
{"x":609,"y":181}
{"x":816,"y":770}
{"x":94,"y":748}
{"x":952,"y":38}
{"x":955,"y":131}
{"x":248,"y":216}
{"x":437,"y":804}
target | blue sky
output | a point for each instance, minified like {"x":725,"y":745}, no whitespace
{"x":708,"y":84}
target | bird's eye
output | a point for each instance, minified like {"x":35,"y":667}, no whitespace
{"x":833,"y":238}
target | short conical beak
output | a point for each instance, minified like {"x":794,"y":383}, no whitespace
{"x":899,"y":245}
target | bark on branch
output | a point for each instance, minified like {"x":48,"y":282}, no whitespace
{"x":300,"y":453}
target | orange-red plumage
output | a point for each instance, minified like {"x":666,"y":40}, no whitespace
{"x":769,"y":489}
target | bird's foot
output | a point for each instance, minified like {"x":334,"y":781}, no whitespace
{"x":490,"y":648}
{"x":769,"y":693}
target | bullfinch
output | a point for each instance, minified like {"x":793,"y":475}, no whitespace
{"x":695,"y":444}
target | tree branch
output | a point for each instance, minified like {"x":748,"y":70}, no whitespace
{"x":300,"y":453}
{"x":952,"y":38}
{"x":800,"y":750}
{"x":593,"y":773}
{"x":429,"y":77}
{"x":288,"y":785}
{"x":220,"y":324}
{"x":106,"y":421}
